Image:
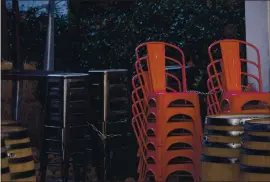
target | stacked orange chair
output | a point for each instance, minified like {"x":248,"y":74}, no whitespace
{"x":225,"y":81}
{"x":166,"y":121}
{"x":139,"y":123}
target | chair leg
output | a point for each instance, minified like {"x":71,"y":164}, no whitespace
{"x":85,"y":166}
{"x":43,"y":165}
{"x":80,"y":167}
{"x":65,"y":168}
{"x":65,"y":155}
{"x":43,"y":155}
{"x":78,"y":173}
{"x":101,"y":169}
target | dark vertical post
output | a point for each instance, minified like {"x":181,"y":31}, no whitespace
{"x":75,"y":12}
{"x":4,"y":31}
{"x":49,"y":49}
{"x":17,"y":63}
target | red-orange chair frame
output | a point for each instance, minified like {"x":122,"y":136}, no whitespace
{"x":158,"y":92}
{"x":230,"y":87}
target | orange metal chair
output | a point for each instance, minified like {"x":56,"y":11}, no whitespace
{"x":168,"y":126}
{"x":151,"y":154}
{"x":235,"y":96}
{"x":141,"y":153}
{"x":165,"y":105}
{"x":170,"y":155}
{"x":154,"y":79}
{"x":147,"y":154}
{"x":164,"y":150}
{"x":141,"y":138}
{"x":139,"y":126}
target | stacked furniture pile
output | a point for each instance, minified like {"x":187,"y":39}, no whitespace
{"x":66,"y":132}
{"x":166,"y":120}
{"x":110,"y":116}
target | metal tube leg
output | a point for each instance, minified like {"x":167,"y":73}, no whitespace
{"x":65,"y":154}
{"x":43,"y":146}
{"x":65,"y":135}
{"x":65,"y":166}
{"x":43,"y":166}
{"x":85,"y":166}
{"x":104,"y":160}
{"x":104,"y":124}
{"x":16,"y":99}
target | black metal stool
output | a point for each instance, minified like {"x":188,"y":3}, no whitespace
{"x":110,"y":104}
{"x":66,"y":131}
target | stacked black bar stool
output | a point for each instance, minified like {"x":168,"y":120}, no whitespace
{"x":66,"y":130}
{"x":110,"y":103}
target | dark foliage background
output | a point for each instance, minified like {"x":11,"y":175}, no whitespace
{"x":94,"y":37}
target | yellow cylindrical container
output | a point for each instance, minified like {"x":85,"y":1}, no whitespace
{"x":5,"y":176}
{"x":255,"y":153}
{"x":20,"y":158}
{"x":222,"y":146}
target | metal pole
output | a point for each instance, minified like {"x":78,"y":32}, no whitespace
{"x":4,"y":31}
{"x":49,"y":50}
{"x":17,"y":63}
{"x":16,"y":99}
